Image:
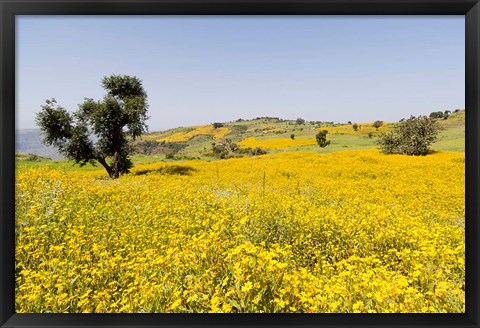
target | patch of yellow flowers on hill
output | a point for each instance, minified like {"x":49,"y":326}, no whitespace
{"x":362,"y":129}
{"x":276,"y":143}
{"x":352,"y":231}
{"x":217,"y":133}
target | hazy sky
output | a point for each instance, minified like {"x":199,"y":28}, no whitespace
{"x":199,"y":70}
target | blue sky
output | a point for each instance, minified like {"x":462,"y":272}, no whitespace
{"x":199,"y":70}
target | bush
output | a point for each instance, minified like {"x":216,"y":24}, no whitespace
{"x":292,"y":136}
{"x":410,"y":137}
{"x":322,"y":138}
{"x":440,"y":115}
{"x":226,"y":149}
{"x":258,"y":151}
{"x":355,"y":126}
{"x":34,"y":158}
{"x":300,"y":121}
{"x":217,"y":125}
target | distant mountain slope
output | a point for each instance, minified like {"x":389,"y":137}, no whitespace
{"x":30,"y":142}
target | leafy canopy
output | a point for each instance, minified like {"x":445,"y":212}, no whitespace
{"x":99,"y":129}
{"x":410,"y":137}
{"x":321,"y":138}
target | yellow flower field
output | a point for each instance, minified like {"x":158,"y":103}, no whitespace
{"x":351,"y":231}
{"x":277,"y":143}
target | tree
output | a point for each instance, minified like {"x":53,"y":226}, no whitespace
{"x":377,"y":124}
{"x":438,"y":114}
{"x":121,"y":114}
{"x":355,"y":127}
{"x":321,"y":137}
{"x":410,"y":137}
{"x":300,"y":121}
{"x":292,"y":136}
{"x":217,"y":125}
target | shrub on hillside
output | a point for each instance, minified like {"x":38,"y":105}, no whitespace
{"x":300,"y":121}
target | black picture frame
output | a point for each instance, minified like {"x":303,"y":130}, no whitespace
{"x":10,"y":8}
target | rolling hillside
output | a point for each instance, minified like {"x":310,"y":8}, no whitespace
{"x":273,"y":135}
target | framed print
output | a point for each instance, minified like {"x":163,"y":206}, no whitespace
{"x":241,"y":163}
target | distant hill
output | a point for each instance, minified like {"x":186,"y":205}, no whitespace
{"x":30,"y":142}
{"x":277,"y":135}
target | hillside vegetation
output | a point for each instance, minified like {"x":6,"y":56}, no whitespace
{"x":275,"y":135}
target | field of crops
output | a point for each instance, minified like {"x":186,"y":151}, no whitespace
{"x":350,"y":231}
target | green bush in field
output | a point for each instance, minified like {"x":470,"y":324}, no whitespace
{"x":410,"y":137}
{"x":321,"y":137}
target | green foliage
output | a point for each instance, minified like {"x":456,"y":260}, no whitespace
{"x":410,"y":137}
{"x":217,"y":125}
{"x":121,"y":114}
{"x":225,"y":149}
{"x":321,"y":137}
{"x":257,"y":151}
{"x":239,"y":128}
{"x":34,"y":158}
{"x":355,"y":126}
{"x":229,"y":149}
{"x":292,"y":136}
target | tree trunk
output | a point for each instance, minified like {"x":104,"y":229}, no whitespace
{"x":115,"y":166}
{"x":107,"y":167}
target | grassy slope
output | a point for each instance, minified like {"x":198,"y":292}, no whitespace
{"x":342,"y":137}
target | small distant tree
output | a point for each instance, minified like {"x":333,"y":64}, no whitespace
{"x":300,"y":121}
{"x":349,"y":122}
{"x":410,"y":137}
{"x":355,"y":126}
{"x":321,"y":137}
{"x":120,"y":115}
{"x":217,"y":125}
{"x":377,"y":124}
{"x":438,"y":115}
{"x":292,"y":136}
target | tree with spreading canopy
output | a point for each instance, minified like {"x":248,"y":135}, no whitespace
{"x":99,"y":130}
{"x":412,"y":136}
